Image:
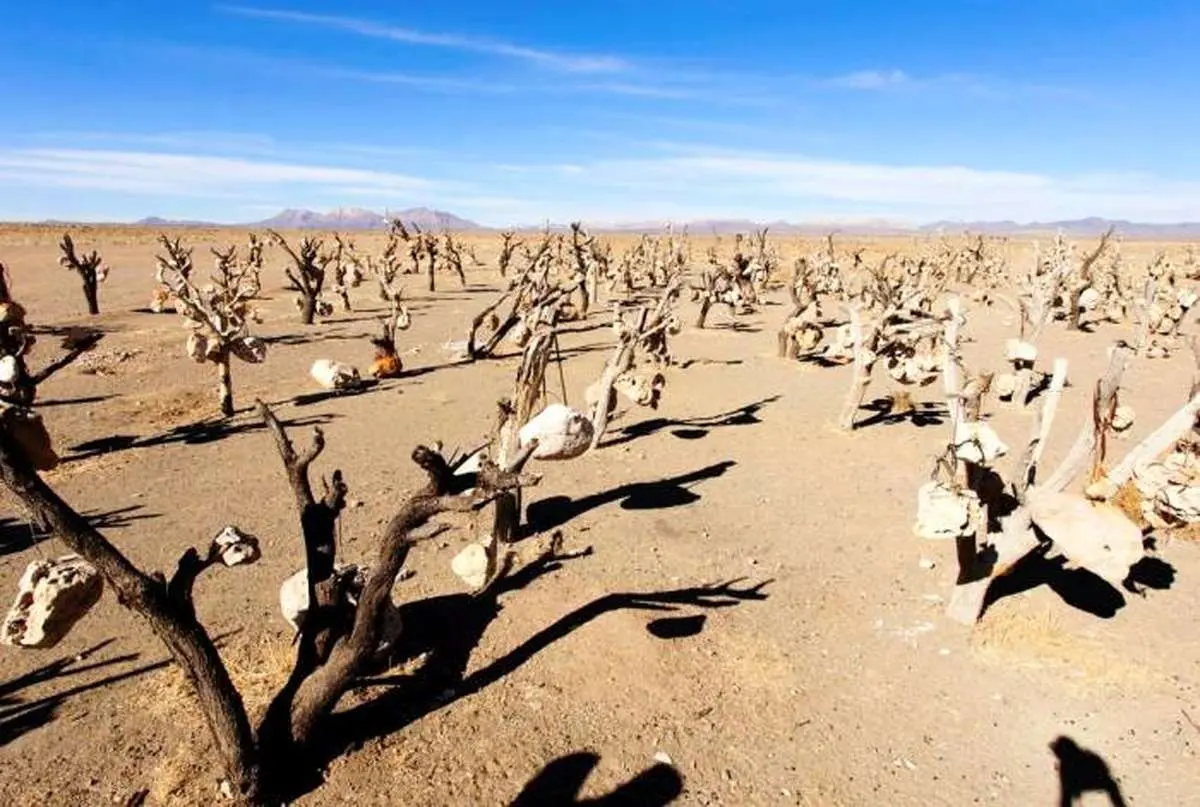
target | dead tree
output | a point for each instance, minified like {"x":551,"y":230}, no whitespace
{"x":428,"y":246}
{"x":509,"y":244}
{"x":307,"y":275}
{"x":19,"y":384}
{"x":536,"y":297}
{"x":219,"y":313}
{"x":635,"y":368}
{"x":347,"y":269}
{"x":337,"y":639}
{"x":387,"y":362}
{"x":891,"y":318}
{"x":1082,"y":279}
{"x":90,"y":268}
{"x":1084,"y":527}
{"x":722,"y":285}
{"x":453,"y":252}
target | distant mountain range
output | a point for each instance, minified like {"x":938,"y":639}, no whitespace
{"x":355,"y":218}
{"x":347,"y":218}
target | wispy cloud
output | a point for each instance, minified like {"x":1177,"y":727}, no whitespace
{"x":710,"y":183}
{"x":160,"y":174}
{"x":574,"y":63}
{"x":870,"y":80}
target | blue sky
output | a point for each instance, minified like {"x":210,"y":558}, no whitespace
{"x":518,"y":112}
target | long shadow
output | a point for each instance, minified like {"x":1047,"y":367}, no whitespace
{"x":310,"y":398}
{"x":205,"y":431}
{"x":1079,"y":588}
{"x":118,"y":518}
{"x":87,"y":399}
{"x":673,"y":491}
{"x":417,"y":372}
{"x":1081,"y":771}
{"x":560,"y":782}
{"x":292,"y":339}
{"x":925,"y":413}
{"x":18,"y":716}
{"x":445,"y":630}
{"x":686,"y":363}
{"x":693,"y":428}
{"x":17,"y":535}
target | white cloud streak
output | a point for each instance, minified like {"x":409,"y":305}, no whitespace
{"x":679,"y":182}
{"x":160,"y":174}
{"x":870,"y":80}
{"x":573,"y":63}
{"x":712,"y":183}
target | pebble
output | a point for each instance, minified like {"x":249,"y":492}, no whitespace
{"x":926,"y":563}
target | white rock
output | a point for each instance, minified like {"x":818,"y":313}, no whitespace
{"x":978,"y":442}
{"x":1089,"y":298}
{"x":9,"y":370}
{"x":51,"y":597}
{"x":562,"y":433}
{"x":249,"y":349}
{"x":1017,"y":350}
{"x":293,"y":601}
{"x":1122,"y":418}
{"x":237,"y":547}
{"x":943,"y":514}
{"x":471,"y":564}
{"x":197,"y":347}
{"x":1096,"y":537}
{"x":1187,"y":298}
{"x":1179,"y":503}
{"x":334,"y":375}
{"x":1005,"y":385}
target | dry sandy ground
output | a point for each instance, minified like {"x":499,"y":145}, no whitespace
{"x":614,"y":673}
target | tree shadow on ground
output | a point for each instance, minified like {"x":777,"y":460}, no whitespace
{"x":1080,"y":772}
{"x":673,"y":491}
{"x":365,"y":386}
{"x":442,"y":632}
{"x":17,"y":535}
{"x":924,"y":413}
{"x":693,"y":428}
{"x":560,"y":782}
{"x":1079,"y":588}
{"x":87,"y":399}
{"x":19,"y":716}
{"x":205,"y":431}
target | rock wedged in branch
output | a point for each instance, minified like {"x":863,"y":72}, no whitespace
{"x":562,"y":433}
{"x":473,"y":564}
{"x":52,"y":596}
{"x":944,"y":513}
{"x":1096,"y":537}
{"x":977,"y":442}
{"x":236,"y":547}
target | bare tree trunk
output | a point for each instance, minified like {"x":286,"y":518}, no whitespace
{"x":91,"y":294}
{"x":225,"y":385}
{"x":166,"y":606}
{"x":864,"y":363}
{"x":308,"y":311}
{"x":702,"y":316}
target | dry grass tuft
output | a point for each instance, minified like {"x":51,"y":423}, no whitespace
{"x":1129,"y":501}
{"x":170,"y":779}
{"x":1013,"y":634}
{"x":258,"y":666}
{"x":1186,"y":532}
